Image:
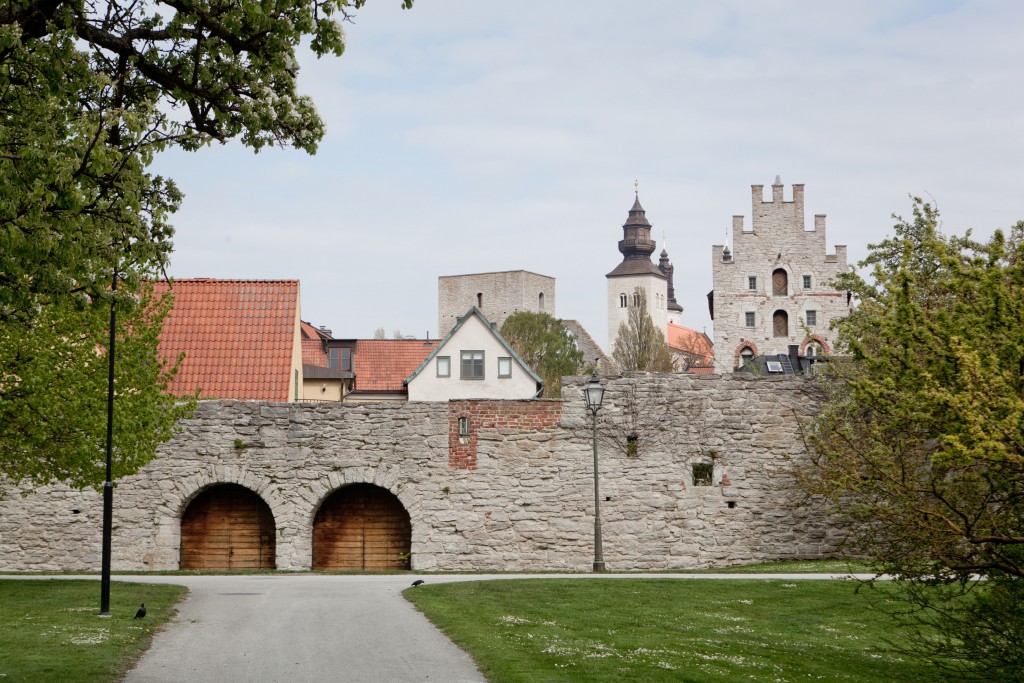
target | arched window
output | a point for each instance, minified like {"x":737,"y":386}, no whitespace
{"x":814,"y":350}
{"x":480,"y":300}
{"x":780,"y":324}
{"x":540,"y":301}
{"x":746,"y":355}
{"x":623,"y":301}
{"x":636,"y":298}
{"x":780,"y":282}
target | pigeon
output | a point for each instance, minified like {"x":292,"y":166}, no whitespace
{"x":417,"y":582}
{"x":142,"y":611}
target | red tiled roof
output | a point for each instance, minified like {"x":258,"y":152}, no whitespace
{"x":313,"y":353}
{"x":311,"y":332}
{"x":237,"y":335}
{"x":383,"y":364}
{"x":690,"y":341}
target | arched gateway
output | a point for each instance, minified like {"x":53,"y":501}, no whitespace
{"x":227,"y":526}
{"x":361,"y":526}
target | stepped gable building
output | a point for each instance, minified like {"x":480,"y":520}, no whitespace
{"x":638,"y":271}
{"x":496,"y":295}
{"x":772,"y":288}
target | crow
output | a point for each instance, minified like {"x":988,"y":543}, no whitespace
{"x":417,"y":582}
{"x":142,"y":611}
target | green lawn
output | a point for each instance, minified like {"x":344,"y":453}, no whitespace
{"x":670,"y":630}
{"x":50,"y":630}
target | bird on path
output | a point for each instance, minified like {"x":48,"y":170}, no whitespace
{"x":142,"y":611}
{"x":417,"y":582}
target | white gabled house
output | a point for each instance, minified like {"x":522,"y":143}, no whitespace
{"x":473,"y":361}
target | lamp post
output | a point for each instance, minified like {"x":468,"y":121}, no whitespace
{"x":594,"y":394}
{"x":108,"y":484}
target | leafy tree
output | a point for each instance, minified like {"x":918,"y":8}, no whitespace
{"x":54,"y":391}
{"x":545,"y":345}
{"x":89,"y":93}
{"x":920,"y":445}
{"x":639,"y":345}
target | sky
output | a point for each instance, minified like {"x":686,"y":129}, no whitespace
{"x":467,"y":136}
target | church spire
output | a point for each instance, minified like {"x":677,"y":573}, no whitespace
{"x":636,"y":244}
{"x":666,"y":267}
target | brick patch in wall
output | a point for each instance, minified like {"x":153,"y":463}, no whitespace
{"x":523,"y":416}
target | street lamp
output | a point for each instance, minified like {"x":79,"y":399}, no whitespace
{"x":594,"y":394}
{"x":108,"y":484}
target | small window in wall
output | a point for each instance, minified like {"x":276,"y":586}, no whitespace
{"x":504,"y":367}
{"x":703,"y":473}
{"x":540,"y":301}
{"x":749,"y":319}
{"x":812,"y":318}
{"x":814,"y":350}
{"x":444,"y":366}
{"x":636,"y":298}
{"x":623,"y":301}
{"x":472,"y":365}
{"x":780,"y":324}
{"x":480,"y":300}
{"x":463,"y":430}
{"x":752,"y":283}
{"x":807,"y":281}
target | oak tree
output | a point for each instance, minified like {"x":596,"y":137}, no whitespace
{"x":90,"y":92}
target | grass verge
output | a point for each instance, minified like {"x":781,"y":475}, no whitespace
{"x":671,"y":630}
{"x":52,"y":631}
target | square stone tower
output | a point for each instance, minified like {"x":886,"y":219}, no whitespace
{"x":773,"y":288}
{"x":496,"y":295}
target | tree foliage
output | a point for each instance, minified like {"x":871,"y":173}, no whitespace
{"x":89,"y":92}
{"x":54,"y":393}
{"x":639,"y":345}
{"x":545,"y":345}
{"x":921,"y":441}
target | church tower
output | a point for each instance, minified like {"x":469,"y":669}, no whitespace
{"x":636,"y":271}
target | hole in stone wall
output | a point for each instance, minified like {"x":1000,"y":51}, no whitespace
{"x":731,"y":504}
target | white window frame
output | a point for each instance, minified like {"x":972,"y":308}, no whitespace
{"x":506,"y":371}
{"x":444,"y":366}
{"x":751,"y":283}
{"x":475,"y":363}
{"x":807,"y":281}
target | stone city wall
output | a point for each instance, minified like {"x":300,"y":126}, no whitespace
{"x":521,"y":500}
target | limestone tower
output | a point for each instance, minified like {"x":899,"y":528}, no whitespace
{"x":772,"y":289}
{"x":636,"y":270}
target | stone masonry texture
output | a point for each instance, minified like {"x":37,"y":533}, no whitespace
{"x":523,"y":500}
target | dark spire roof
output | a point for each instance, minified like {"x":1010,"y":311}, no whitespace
{"x":666,"y":267}
{"x":636,"y":245}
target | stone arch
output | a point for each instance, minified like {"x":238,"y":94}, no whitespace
{"x":738,"y":356}
{"x":383,"y":476}
{"x":361,"y":526}
{"x":186,"y":489}
{"x":228,"y":526}
{"x":826,"y":350}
